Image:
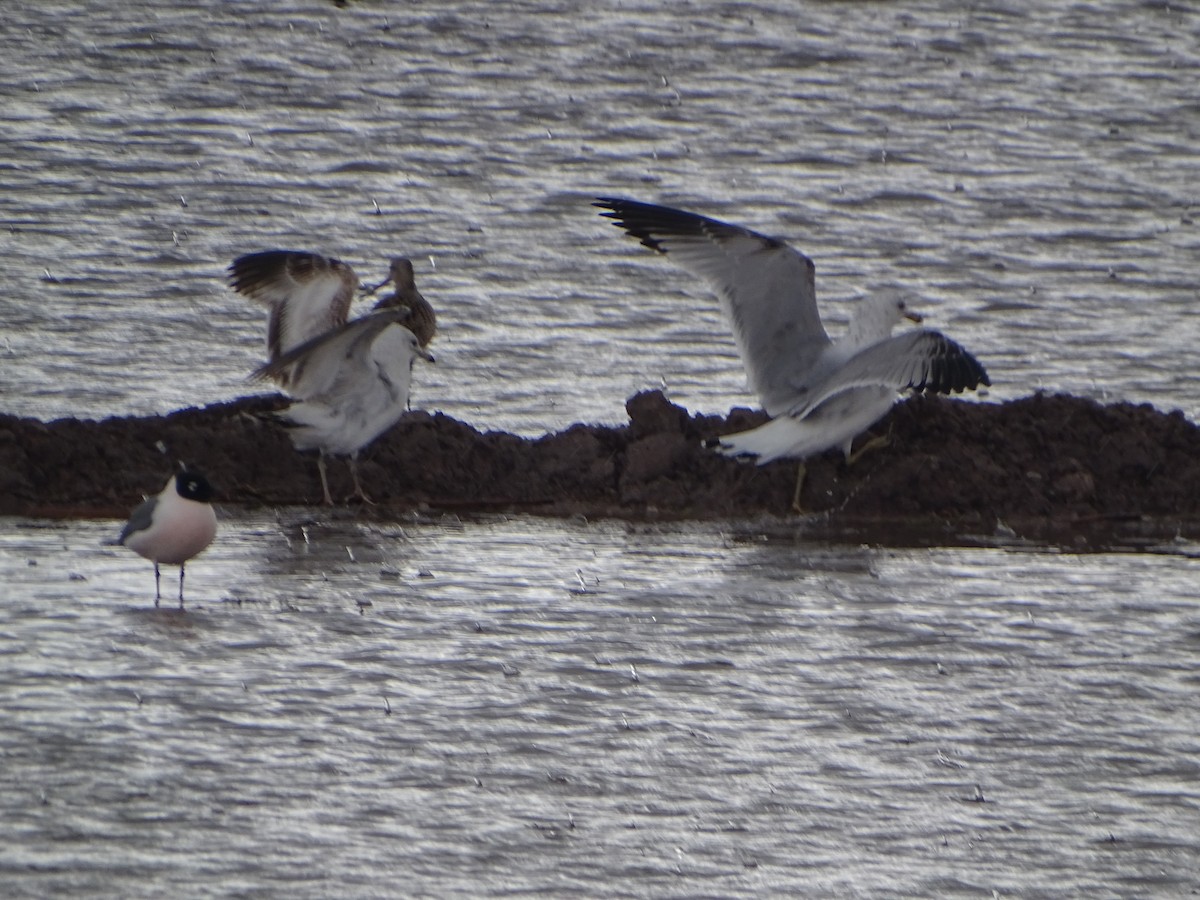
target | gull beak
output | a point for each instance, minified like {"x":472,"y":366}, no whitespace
{"x":426,"y":355}
{"x":914,"y":317}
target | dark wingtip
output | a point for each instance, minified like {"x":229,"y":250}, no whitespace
{"x":626,"y":213}
{"x":615,"y":208}
{"x":954,"y":369}
{"x":967,"y":373}
{"x":976,"y":374}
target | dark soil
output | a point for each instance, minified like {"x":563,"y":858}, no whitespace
{"x":1049,"y":468}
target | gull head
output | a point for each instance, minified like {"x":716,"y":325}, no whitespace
{"x":413,"y":345}
{"x":876,"y":315}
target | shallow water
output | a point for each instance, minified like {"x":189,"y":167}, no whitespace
{"x":427,"y":710}
{"x":519,"y":706}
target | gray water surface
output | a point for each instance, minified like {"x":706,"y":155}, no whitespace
{"x":1031,"y":178}
{"x":441,"y":709}
{"x":521,"y":707}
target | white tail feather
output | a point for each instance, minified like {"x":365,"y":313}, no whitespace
{"x":776,"y":439}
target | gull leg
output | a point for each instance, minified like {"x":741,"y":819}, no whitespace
{"x":157,"y":592}
{"x":324,"y":480}
{"x":801,"y":472}
{"x":358,"y":489}
{"x":181,"y":586}
{"x":875,"y":443}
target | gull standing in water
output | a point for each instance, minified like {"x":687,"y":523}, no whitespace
{"x":173,"y":526}
{"x":352,"y":380}
{"x":821,"y":393}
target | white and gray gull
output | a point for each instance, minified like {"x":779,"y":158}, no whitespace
{"x":350,"y":384}
{"x":821,"y":393}
{"x":351,"y":379}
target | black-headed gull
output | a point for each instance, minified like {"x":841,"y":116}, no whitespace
{"x":173,"y":526}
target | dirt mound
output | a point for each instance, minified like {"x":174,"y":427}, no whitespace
{"x":1048,"y":467}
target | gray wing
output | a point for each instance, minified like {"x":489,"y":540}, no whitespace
{"x":139,"y":519}
{"x":381,"y":381}
{"x":312,"y":368}
{"x":923,"y":360}
{"x":306,"y":293}
{"x":766,"y":288}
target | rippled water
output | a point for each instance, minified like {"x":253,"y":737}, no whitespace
{"x":570,"y":708}
{"x":422,"y":710}
{"x":1030,"y":178}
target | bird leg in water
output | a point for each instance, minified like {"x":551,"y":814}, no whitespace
{"x":181,"y":586}
{"x":324,"y":479}
{"x":157,"y":591}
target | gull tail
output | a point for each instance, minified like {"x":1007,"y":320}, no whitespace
{"x":779,"y":438}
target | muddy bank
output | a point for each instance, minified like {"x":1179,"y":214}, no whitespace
{"x":1052,"y":468}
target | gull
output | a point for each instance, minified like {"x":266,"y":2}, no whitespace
{"x":868,"y":369}
{"x":350,"y":385}
{"x":308,"y":294}
{"x":819,"y":392}
{"x":342,"y":376}
{"x":173,"y":526}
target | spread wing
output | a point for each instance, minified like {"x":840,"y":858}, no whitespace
{"x":311,"y":369}
{"x":923,"y":360}
{"x":307,"y":294}
{"x":766,"y":288}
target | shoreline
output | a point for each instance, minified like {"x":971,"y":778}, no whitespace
{"x":1047,"y":468}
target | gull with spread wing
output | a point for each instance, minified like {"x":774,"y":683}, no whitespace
{"x":351,"y":384}
{"x":821,"y":393}
{"x":351,"y":380}
{"x":307,"y":294}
